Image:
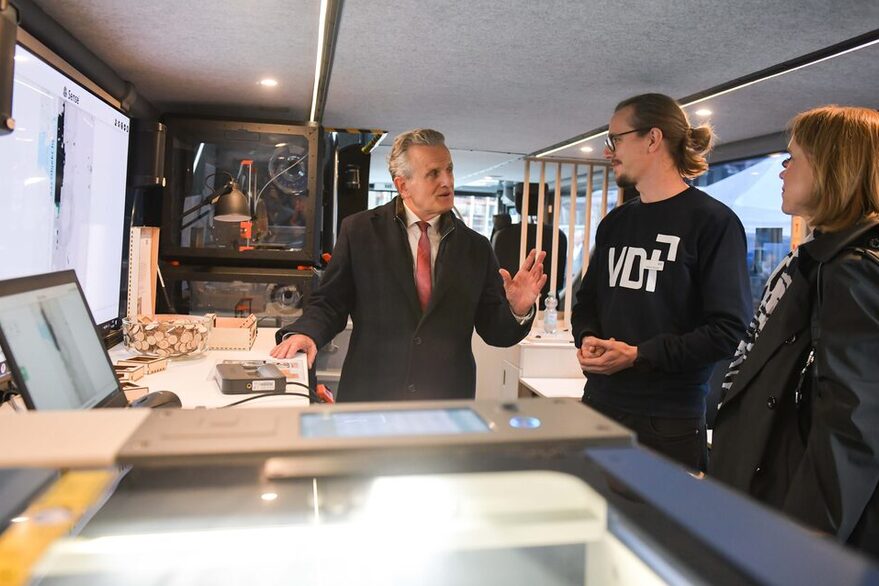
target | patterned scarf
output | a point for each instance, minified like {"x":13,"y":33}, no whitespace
{"x":776,"y":285}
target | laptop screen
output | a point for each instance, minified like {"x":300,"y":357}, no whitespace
{"x":52,"y":347}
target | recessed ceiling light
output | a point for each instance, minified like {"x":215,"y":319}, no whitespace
{"x":268,"y":496}
{"x":703,"y":112}
{"x":587,"y":149}
{"x":268,"y":82}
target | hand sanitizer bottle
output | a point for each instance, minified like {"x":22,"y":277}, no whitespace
{"x":550,"y":315}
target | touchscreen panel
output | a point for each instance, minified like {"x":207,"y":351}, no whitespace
{"x":451,"y":421}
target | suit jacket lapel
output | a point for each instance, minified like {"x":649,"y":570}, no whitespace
{"x":394,"y":247}
{"x":789,"y":318}
{"x":444,"y":269}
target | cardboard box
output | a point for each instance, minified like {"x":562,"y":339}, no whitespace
{"x":128,"y":372}
{"x":233,"y":333}
{"x":152,"y":364}
{"x":143,"y":261}
{"x":133,"y":391}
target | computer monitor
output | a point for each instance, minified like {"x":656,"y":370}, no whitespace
{"x":53,"y":350}
{"x":63,"y":174}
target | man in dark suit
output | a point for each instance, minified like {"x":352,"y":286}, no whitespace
{"x":415,"y":281}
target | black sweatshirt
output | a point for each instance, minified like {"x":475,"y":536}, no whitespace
{"x":671,"y":278}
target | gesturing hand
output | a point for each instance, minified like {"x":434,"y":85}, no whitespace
{"x":523,"y":289}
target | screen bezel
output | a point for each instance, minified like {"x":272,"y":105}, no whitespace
{"x":115,"y":398}
{"x":53,"y":60}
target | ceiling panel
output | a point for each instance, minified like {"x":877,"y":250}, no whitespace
{"x":203,"y":53}
{"x":500,"y":79}
{"x":766,"y":107}
{"x":520,"y":75}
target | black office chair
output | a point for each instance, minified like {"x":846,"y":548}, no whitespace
{"x":499,"y":222}
{"x":506,"y":241}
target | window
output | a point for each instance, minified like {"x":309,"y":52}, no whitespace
{"x":476,"y":211}
{"x":752,"y":189}
{"x":580,"y":220}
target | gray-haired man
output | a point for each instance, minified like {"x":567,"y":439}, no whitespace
{"x":415,"y":281}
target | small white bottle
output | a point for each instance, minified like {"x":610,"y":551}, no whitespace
{"x":550,"y":315}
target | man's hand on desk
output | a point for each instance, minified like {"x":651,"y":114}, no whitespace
{"x":293,"y":344}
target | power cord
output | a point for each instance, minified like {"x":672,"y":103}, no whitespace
{"x":8,"y":395}
{"x":260,"y":396}
{"x":311,"y":397}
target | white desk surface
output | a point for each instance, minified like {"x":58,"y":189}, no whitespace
{"x":193,"y":378}
{"x":74,"y":438}
{"x":556,"y":387}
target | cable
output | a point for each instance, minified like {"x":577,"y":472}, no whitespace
{"x":278,"y":174}
{"x":261,"y":395}
{"x":8,"y":395}
{"x":171,"y":307}
{"x":214,"y":174}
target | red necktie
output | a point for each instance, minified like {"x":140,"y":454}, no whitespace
{"x":422,"y":267}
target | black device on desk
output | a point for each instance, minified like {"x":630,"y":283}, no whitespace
{"x":235,"y":377}
{"x":53,"y":349}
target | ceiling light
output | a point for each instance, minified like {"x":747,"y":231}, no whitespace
{"x":808,"y":61}
{"x":776,"y":155}
{"x":587,"y":149}
{"x":268,"y":82}
{"x":268,"y":496}
{"x":280,"y":144}
{"x":703,"y":112}
{"x":321,"y":36}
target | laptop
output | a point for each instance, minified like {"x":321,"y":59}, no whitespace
{"x":53,"y":350}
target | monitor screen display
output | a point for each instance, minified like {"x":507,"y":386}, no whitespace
{"x":51,"y":344}
{"x":451,"y":421}
{"x":63,"y":174}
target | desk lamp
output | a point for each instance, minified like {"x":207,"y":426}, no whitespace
{"x":230,"y":204}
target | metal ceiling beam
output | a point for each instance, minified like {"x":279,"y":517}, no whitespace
{"x":331,"y":31}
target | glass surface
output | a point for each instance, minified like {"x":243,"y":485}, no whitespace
{"x":752,"y":189}
{"x":504,"y":528}
{"x":477,"y":212}
{"x":282,"y":301}
{"x":269,"y":164}
{"x":391,"y":423}
{"x":595,"y":215}
{"x":63,"y":176}
{"x":53,"y":343}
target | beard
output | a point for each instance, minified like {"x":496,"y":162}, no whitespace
{"x":624,"y":182}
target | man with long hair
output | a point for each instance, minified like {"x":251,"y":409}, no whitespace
{"x":666,"y":294}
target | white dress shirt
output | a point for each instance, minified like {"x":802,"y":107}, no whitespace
{"x":414,"y":234}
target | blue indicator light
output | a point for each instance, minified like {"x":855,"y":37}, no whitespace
{"x":524,"y":422}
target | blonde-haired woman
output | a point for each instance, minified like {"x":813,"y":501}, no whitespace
{"x":798,"y":427}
